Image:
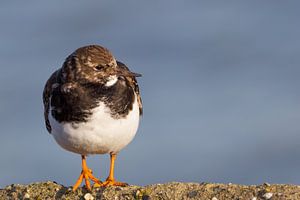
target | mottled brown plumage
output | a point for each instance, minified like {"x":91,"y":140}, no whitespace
{"x":77,"y":87}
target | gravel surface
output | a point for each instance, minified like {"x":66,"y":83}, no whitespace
{"x":174,"y":190}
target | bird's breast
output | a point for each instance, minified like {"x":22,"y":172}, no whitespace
{"x":99,"y":134}
{"x":74,"y":104}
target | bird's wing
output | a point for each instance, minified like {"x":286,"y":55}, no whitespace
{"x":137,"y":91}
{"x":46,"y":97}
{"x":134,"y":85}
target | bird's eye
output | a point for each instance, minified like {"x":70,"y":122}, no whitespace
{"x":99,"y":67}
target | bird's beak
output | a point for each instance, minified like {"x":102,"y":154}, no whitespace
{"x":134,"y":74}
{"x":127,"y":73}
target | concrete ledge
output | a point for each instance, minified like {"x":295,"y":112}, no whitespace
{"x":174,"y":190}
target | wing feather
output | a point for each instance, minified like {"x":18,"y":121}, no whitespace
{"x":134,"y":84}
{"x":46,"y":97}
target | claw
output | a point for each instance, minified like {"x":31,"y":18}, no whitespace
{"x":86,"y":174}
{"x":113,"y":183}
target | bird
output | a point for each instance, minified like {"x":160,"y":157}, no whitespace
{"x":92,"y":105}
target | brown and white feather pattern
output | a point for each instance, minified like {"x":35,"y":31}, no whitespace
{"x":92,"y":104}
{"x":52,"y":82}
{"x":134,"y":85}
{"x":76,"y":75}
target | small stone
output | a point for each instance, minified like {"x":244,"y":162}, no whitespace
{"x":14,"y":195}
{"x":138,"y":194}
{"x":268,"y":195}
{"x":8,"y":187}
{"x":26,"y":196}
{"x":267,"y":184}
{"x":146,"y":197}
{"x":69,"y":190}
{"x":254,"y":198}
{"x":88,"y":196}
{"x":192,"y":194}
{"x":214,"y":198}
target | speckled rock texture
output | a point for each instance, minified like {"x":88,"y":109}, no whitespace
{"x":175,"y":190}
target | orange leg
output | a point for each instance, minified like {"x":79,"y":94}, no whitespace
{"x":110,"y":179}
{"x":86,"y":174}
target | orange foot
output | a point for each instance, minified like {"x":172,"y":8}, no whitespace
{"x":112,"y":182}
{"x":86,"y":174}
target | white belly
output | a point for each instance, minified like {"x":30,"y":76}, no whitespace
{"x":99,"y":135}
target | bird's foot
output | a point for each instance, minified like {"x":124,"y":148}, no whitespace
{"x":87,"y":175}
{"x":112,"y":182}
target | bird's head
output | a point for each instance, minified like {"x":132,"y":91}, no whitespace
{"x":94,"y":64}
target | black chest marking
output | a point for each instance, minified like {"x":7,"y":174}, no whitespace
{"x":76,"y":105}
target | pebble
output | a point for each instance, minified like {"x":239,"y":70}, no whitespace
{"x":268,"y":195}
{"x":9,"y":187}
{"x":267,"y":184}
{"x":118,"y":189}
{"x":254,"y":198}
{"x":138,"y":194}
{"x":88,"y":196}
{"x":192,"y":194}
{"x":214,"y":198}
{"x":26,"y":196}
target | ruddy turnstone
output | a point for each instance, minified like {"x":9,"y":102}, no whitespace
{"x":92,"y":105}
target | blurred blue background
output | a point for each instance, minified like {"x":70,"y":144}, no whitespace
{"x":220,"y":88}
